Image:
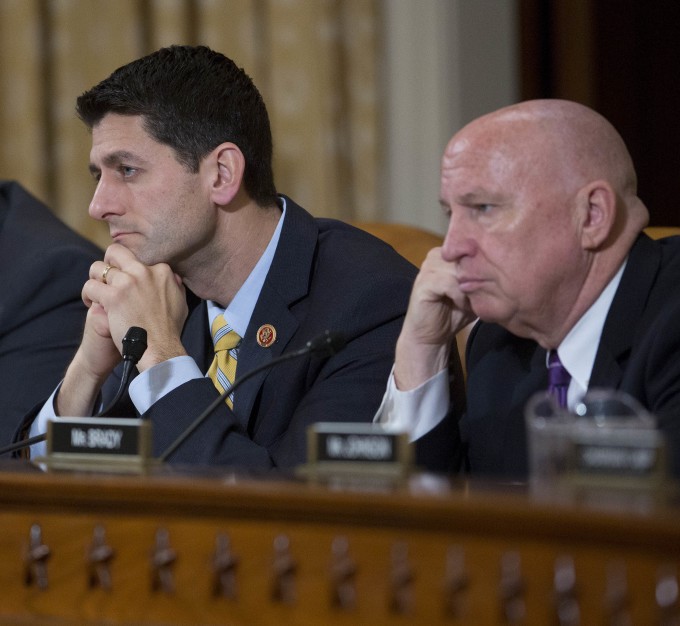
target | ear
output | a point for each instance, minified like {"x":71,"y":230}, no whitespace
{"x":598,"y":201}
{"x":224,"y":166}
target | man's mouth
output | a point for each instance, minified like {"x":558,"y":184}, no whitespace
{"x":468,"y":284}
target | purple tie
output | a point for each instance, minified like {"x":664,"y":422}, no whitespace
{"x":558,"y":379}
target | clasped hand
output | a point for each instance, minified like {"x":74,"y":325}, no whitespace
{"x":129,"y":294}
{"x":437,"y":311}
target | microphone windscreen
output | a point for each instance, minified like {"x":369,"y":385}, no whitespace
{"x":328,"y":344}
{"x":134,"y":343}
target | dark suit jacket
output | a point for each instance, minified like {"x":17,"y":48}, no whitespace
{"x":325,"y":275}
{"x":639,"y":353}
{"x":43,"y":266}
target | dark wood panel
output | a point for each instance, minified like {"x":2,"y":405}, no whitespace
{"x":622,"y":57}
{"x":426,"y":551}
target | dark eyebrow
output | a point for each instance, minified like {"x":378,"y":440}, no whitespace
{"x":116,"y":158}
{"x":121,"y":155}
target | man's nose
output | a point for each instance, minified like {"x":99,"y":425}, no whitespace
{"x":104,"y":201}
{"x":459,"y":240}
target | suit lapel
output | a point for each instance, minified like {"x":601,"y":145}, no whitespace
{"x":623,"y":319}
{"x":287,"y":283}
{"x":196,"y":334}
{"x":270,"y":310}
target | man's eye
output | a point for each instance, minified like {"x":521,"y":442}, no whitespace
{"x":127,"y":171}
{"x":484,"y":208}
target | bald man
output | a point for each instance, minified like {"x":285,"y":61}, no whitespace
{"x":545,"y":247}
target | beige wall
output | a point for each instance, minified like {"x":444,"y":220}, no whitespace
{"x":448,"y":61}
{"x":362,"y":94}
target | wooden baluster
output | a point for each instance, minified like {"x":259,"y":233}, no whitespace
{"x":163,"y":559}
{"x":512,"y":588}
{"x":667,"y":596}
{"x":225,"y":564}
{"x":401,"y":580}
{"x":284,"y":570}
{"x":566,"y":600}
{"x":456,"y":582}
{"x":343,"y":573}
{"x":36,"y":559}
{"x":617,"y":596}
{"x":99,"y":557}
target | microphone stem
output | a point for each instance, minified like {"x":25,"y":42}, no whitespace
{"x":128,"y":364}
{"x":24,"y":443}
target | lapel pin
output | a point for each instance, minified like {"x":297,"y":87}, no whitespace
{"x":266,"y":335}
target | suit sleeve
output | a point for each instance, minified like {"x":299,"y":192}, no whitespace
{"x":657,"y":378}
{"x":48,"y":318}
{"x":442,"y":450}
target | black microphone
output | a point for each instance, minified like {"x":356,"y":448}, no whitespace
{"x":327,"y":344}
{"x":134,"y":345}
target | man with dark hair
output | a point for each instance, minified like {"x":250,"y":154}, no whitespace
{"x":43,"y":264}
{"x":191,"y":99}
{"x":181,"y":152}
{"x":545,"y":246}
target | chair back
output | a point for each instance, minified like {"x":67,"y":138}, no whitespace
{"x":657,"y":232}
{"x":412,"y":242}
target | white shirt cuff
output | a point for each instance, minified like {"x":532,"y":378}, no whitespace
{"x":416,"y":411}
{"x":147,"y":388}
{"x":39,"y":425}
{"x":152,"y":384}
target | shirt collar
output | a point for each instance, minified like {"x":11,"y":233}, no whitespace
{"x":578,"y":349}
{"x":240,"y":309}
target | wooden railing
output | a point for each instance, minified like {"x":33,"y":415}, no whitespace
{"x":184,"y":548}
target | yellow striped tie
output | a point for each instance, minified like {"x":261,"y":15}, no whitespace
{"x":223,"y":368}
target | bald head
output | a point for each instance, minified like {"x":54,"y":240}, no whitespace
{"x":543,"y":211}
{"x":565,"y":142}
{"x":588,"y":145}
